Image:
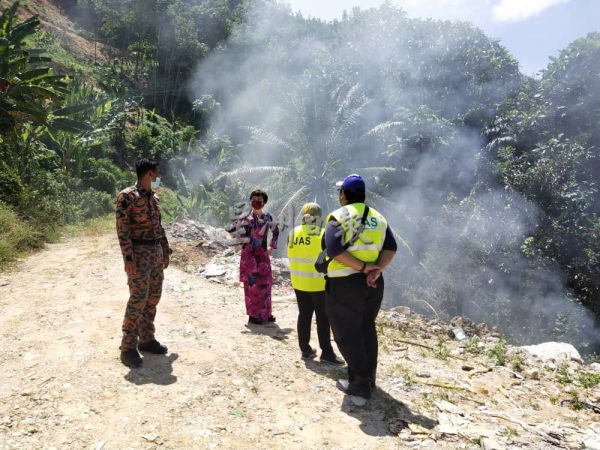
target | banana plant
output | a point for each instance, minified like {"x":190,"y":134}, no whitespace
{"x":32,"y":97}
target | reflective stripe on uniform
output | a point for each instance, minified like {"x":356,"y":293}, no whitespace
{"x":341,"y":272}
{"x":377,"y":248}
{"x":302,"y":260}
{"x":306,"y":274}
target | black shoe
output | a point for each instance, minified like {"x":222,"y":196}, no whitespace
{"x":332,"y":358}
{"x":342,"y":384}
{"x":131,"y":358}
{"x":254,"y":320}
{"x":271,"y":319}
{"x":356,"y":388}
{"x":153,"y":346}
{"x":309,"y":354}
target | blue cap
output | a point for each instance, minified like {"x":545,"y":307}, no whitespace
{"x":352,"y":183}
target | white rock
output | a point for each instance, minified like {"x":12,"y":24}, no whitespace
{"x":214,"y":270}
{"x":553,"y":350}
{"x":595,"y":367}
{"x":488,"y":443}
{"x":592,"y":442}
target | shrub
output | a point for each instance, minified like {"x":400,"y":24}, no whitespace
{"x":103,"y":175}
{"x":95,"y":203}
{"x":11,"y":187}
{"x":498,"y":353}
{"x":49,"y":203}
{"x":16,"y":236}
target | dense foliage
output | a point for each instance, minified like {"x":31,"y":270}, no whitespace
{"x":488,"y":177}
{"x":549,"y":150}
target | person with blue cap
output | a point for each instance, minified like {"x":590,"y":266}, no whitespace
{"x":361,"y":245}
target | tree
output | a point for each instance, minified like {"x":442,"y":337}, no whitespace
{"x":546,"y":145}
{"x":314,"y":141}
{"x":32,"y":96}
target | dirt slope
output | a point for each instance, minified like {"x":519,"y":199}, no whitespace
{"x":224,"y":385}
{"x":54,"y":21}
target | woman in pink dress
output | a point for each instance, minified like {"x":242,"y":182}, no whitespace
{"x":255,"y":262}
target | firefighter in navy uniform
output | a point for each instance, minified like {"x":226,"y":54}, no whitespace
{"x":354,"y":283}
{"x":146,"y":253}
{"x":304,"y":246}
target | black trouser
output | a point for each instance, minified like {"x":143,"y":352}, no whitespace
{"x":307,"y":303}
{"x":352,"y":308}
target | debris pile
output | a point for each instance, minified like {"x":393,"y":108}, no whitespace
{"x":213,"y":253}
{"x":484,"y":391}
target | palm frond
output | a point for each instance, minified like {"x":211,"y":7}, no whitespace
{"x":500,"y":142}
{"x":375,"y":170}
{"x":295,"y":196}
{"x":348,"y":99}
{"x":403,"y":241}
{"x":347,"y":123}
{"x":266,"y":137}
{"x":252,"y":171}
{"x":382,"y":127}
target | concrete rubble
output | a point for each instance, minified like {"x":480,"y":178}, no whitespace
{"x":214,"y":253}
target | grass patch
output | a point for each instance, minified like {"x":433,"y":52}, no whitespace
{"x":440,"y":350}
{"x":91,"y":227}
{"x":562,"y":374}
{"x":19,"y":238}
{"x":474,"y":346}
{"x":498,"y":353}
{"x":516,"y":361}
{"x":589,"y":379}
{"x":575,"y":403}
{"x":407,"y":375}
{"x":16,"y":237}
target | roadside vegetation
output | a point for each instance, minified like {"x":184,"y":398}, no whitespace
{"x":488,"y":176}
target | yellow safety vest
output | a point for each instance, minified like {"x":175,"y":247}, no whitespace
{"x":304,"y":245}
{"x":370,"y":242}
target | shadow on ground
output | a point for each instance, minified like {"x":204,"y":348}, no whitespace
{"x":270,"y":329}
{"x":383,"y":415}
{"x":157,"y":369}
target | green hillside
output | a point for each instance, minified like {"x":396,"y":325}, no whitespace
{"x":488,"y":177}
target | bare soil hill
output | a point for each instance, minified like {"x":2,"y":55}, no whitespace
{"x":226,"y":385}
{"x":54,"y":20}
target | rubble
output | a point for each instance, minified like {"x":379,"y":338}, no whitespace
{"x":212,"y":252}
{"x":190,"y":230}
{"x":591,"y":438}
{"x":553,"y":351}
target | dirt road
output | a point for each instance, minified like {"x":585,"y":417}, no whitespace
{"x":225,"y":385}
{"x":222,"y":385}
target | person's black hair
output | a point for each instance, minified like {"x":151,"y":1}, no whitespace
{"x":260,"y":193}
{"x":145,"y":165}
{"x":355,"y":197}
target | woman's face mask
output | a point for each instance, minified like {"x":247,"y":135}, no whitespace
{"x":156,"y":183}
